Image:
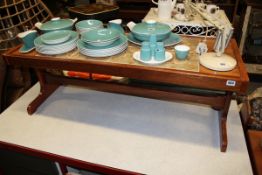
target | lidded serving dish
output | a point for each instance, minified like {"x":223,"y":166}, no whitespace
{"x":143,"y":31}
{"x":56,"y":24}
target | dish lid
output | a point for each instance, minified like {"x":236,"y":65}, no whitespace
{"x":56,"y":23}
{"x":151,"y":27}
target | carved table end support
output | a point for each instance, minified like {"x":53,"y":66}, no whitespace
{"x":223,"y":122}
{"x":46,"y":90}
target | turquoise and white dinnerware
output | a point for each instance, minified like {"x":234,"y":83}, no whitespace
{"x":100,"y":37}
{"x":87,"y":25}
{"x":56,"y":37}
{"x":116,"y":47}
{"x":28,"y":40}
{"x":143,"y":31}
{"x":181,"y":51}
{"x":54,"y":49}
{"x":170,"y":41}
{"x":56,"y":24}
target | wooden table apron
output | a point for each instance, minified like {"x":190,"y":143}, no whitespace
{"x":204,"y":79}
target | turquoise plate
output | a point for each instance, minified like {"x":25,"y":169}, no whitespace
{"x":73,"y":37}
{"x":82,"y":45}
{"x":171,"y":40}
{"x":56,"y":37}
{"x":100,"y":35}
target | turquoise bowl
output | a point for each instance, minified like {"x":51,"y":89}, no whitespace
{"x":100,"y":35}
{"x":58,"y":24}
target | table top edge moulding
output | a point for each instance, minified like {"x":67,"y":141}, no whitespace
{"x":164,"y":75}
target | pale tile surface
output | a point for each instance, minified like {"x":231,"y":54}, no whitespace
{"x":127,"y":132}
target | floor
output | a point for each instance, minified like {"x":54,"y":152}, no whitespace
{"x":189,"y":138}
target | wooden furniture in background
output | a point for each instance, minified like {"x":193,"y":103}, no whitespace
{"x":255,"y":148}
{"x":20,"y":15}
{"x":17,"y":16}
{"x":134,"y":10}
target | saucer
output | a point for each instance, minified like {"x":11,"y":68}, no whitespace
{"x":25,"y":49}
{"x":171,"y":40}
{"x":136,"y":56}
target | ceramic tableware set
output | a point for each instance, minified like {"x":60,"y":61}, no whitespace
{"x":57,"y":37}
{"x":152,"y":52}
{"x":96,"y":41}
{"x":153,"y":37}
{"x":102,"y":43}
{"x":142,"y":31}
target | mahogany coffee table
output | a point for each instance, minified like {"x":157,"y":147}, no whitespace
{"x":204,"y":80}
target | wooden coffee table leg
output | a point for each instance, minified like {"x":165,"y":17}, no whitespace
{"x":223,"y":121}
{"x":45,"y":91}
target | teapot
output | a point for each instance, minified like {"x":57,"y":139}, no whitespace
{"x":165,"y":8}
{"x":56,"y":24}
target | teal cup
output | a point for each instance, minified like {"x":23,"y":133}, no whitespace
{"x":160,"y":52}
{"x":145,"y":52}
{"x":182,"y":52}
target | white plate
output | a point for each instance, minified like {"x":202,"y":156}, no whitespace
{"x":103,"y":54}
{"x":55,"y":52}
{"x":105,"y":51}
{"x":136,"y":56}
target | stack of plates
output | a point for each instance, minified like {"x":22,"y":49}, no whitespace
{"x":88,"y":25}
{"x":56,"y":42}
{"x":116,"y":47}
{"x":100,"y":37}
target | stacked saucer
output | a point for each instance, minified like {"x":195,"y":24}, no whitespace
{"x":56,"y":42}
{"x":100,"y":37}
{"x":118,"y":46}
